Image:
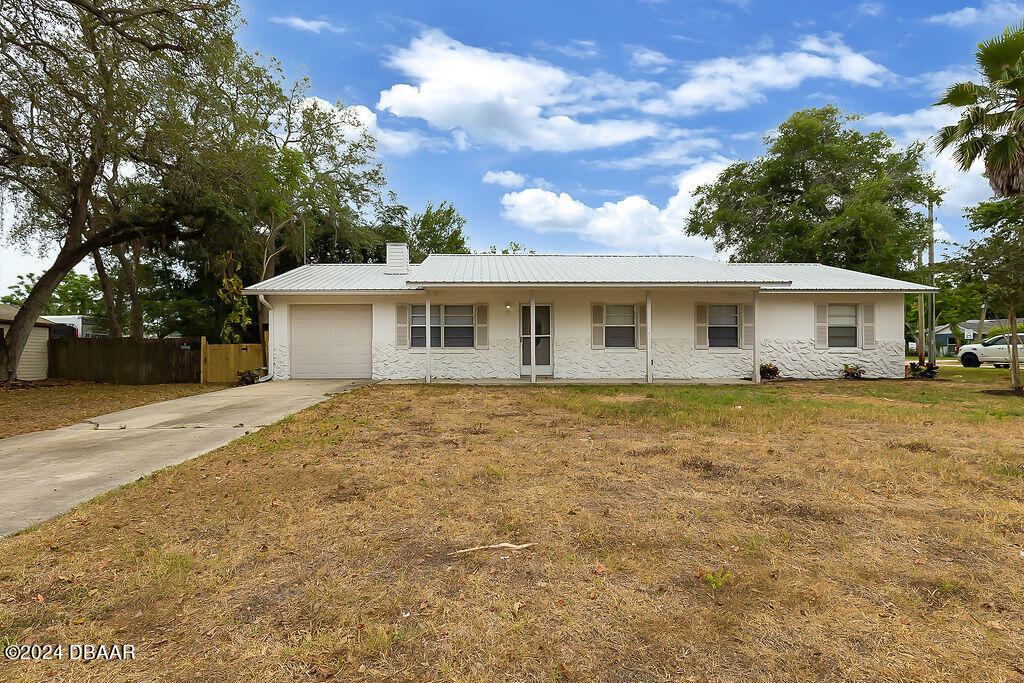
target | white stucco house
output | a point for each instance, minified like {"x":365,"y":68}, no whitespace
{"x":645,"y":318}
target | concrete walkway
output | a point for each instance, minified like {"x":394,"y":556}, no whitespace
{"x":44,"y":474}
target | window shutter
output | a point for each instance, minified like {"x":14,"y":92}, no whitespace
{"x":402,"y":326}
{"x":597,"y":326}
{"x":700,"y":326}
{"x":821,"y":326}
{"x":641,"y":325}
{"x":747,"y":322}
{"x":867,"y":314}
{"x":481,"y":326}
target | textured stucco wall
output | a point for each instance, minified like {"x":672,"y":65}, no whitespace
{"x":496,"y":362}
{"x":575,"y":359}
{"x":798,"y":358}
{"x":675,"y":358}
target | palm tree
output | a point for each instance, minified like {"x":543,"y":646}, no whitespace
{"x":991,"y":126}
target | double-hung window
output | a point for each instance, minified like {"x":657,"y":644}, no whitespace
{"x":451,"y":326}
{"x":842,"y":326}
{"x":723,"y":326}
{"x":620,"y":326}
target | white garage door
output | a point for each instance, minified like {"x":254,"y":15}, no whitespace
{"x":330,"y":341}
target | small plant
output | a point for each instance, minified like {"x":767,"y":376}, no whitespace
{"x":717,"y":579}
{"x":247,"y":377}
{"x":851,"y":371}
{"x":925,"y":371}
{"x":769,"y":371}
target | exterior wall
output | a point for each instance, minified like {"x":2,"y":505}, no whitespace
{"x":34,"y":361}
{"x":787,"y":336}
{"x":785,"y":327}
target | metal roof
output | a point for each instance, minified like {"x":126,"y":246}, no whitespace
{"x":815,"y":277}
{"x":455,"y":270}
{"x":551,"y":269}
{"x":335,"y":277}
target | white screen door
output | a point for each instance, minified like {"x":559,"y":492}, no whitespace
{"x":543,"y":336}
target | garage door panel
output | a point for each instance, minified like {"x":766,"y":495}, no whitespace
{"x":330,"y":341}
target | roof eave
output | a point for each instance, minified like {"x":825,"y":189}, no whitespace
{"x":599,"y":284}
{"x":331,"y":292}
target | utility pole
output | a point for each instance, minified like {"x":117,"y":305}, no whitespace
{"x":931,"y":281}
{"x":920,"y":313}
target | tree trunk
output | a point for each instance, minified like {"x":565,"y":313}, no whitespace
{"x":21,"y":327}
{"x":130,"y":279}
{"x":113,"y":323}
{"x":1015,"y":385}
{"x":981,"y":323}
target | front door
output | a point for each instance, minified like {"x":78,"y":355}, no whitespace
{"x":542,"y":334}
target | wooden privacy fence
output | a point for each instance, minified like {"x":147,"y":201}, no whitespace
{"x":125,"y":361}
{"x":223,"y":362}
{"x":151,"y":361}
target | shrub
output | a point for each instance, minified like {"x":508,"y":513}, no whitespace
{"x":246,"y":377}
{"x":926,"y":371}
{"x":769,"y":371}
{"x":851,"y":371}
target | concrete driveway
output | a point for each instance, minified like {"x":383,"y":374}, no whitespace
{"x":44,"y":474}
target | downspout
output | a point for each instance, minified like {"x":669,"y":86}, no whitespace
{"x":270,"y":348}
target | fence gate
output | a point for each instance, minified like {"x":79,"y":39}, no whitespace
{"x":223,"y":362}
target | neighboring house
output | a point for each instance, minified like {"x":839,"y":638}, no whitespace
{"x":87,"y":327}
{"x":945,"y":340}
{"x":34,"y":361}
{"x":990,"y":324}
{"x":593,"y":317}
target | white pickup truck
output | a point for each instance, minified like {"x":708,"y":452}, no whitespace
{"x":995,"y":350}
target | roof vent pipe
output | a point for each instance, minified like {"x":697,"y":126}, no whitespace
{"x":397,"y":258}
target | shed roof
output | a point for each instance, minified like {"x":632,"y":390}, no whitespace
{"x":7,"y":313}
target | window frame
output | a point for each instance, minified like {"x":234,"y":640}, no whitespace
{"x":635,"y":326}
{"x":858,"y":322}
{"x":738,"y":326}
{"x":429,"y":326}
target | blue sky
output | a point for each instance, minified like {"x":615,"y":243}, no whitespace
{"x":584,"y":126}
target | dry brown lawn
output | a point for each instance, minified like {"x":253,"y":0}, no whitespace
{"x":794,"y":531}
{"x":49,"y":404}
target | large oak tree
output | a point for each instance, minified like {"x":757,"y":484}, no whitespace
{"x":823,"y":192}
{"x":121,"y":121}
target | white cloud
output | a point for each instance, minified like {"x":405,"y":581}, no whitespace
{"x":650,"y":60}
{"x":312,"y":25}
{"x":390,"y":141}
{"x":963,"y":189}
{"x":507,"y":100}
{"x":937,"y":82}
{"x":633,"y":223}
{"x":577,"y":49}
{"x":870,"y":9}
{"x":684,"y":151}
{"x":729,"y":83}
{"x":989,"y":13}
{"x":507,"y":179}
